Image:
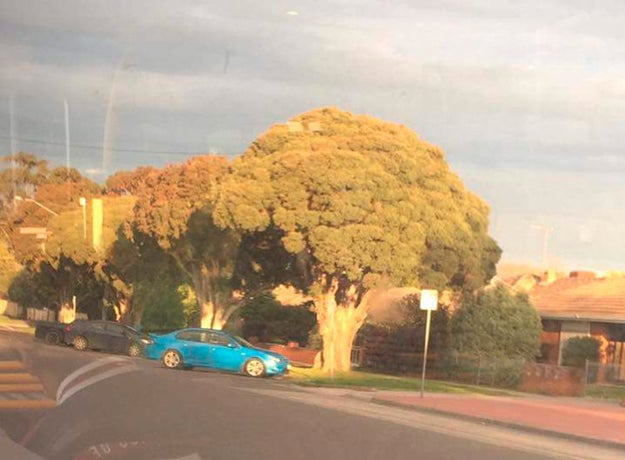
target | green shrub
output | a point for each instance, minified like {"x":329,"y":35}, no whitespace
{"x":579,"y":349}
{"x":267,"y":320}
{"x":496,"y":324}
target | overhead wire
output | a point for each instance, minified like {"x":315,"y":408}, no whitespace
{"x":114,"y":149}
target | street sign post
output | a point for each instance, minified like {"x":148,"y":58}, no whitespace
{"x":428,"y":302}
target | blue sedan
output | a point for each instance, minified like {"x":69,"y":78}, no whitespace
{"x":196,"y":347}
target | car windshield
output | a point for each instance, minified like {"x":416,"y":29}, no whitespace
{"x":421,"y":198}
{"x":242,"y":341}
{"x":132,"y":330}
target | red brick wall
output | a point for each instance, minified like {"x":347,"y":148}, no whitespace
{"x":296,"y":355}
{"x":552,"y":380}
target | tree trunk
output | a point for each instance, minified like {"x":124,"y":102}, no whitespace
{"x":212,"y":316}
{"x":216,"y":306}
{"x":122,"y":310}
{"x":338,"y":325}
{"x":338,"y":336}
{"x":67,"y":312}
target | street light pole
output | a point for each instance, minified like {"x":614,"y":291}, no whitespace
{"x":30,"y":200}
{"x":45,"y":208}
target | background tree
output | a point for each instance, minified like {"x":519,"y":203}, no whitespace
{"x":54,"y":192}
{"x":60,"y":192}
{"x":141,"y":278}
{"x":176,"y":211}
{"x":362,"y":205}
{"x":31,"y":289}
{"x":129,"y":182}
{"x":495,"y":323}
{"x":9,"y":267}
{"x":111,"y":261}
{"x":21,"y":174}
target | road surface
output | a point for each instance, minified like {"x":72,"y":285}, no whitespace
{"x":115,"y":407}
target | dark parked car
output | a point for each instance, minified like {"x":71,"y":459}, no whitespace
{"x":51,"y":332}
{"x":106,"y":336}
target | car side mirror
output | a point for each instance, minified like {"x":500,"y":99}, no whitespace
{"x":232,"y":345}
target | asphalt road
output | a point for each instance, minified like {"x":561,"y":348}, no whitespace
{"x":118,"y":408}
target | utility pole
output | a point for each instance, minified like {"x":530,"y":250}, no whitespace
{"x":66,"y":135}
{"x":12,"y":139}
{"x":545,"y":253}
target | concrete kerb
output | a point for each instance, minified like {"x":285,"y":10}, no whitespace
{"x":493,"y":422}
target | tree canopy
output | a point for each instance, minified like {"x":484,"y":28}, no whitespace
{"x":362,"y":204}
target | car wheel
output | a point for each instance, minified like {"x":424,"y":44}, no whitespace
{"x":80,"y":343}
{"x":254,"y":368}
{"x":135,"y":350}
{"x":52,"y":338}
{"x":172,"y":359}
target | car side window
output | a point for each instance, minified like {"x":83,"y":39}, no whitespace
{"x":216,"y":338}
{"x":115,"y":329}
{"x":191,"y":336}
{"x":97,"y":327}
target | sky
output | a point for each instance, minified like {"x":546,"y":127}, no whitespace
{"x":525,"y":97}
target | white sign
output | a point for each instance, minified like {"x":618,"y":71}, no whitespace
{"x":32,"y":230}
{"x":429,"y":299}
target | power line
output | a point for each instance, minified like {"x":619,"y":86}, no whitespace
{"x":95,"y":147}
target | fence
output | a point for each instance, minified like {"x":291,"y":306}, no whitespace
{"x":498,"y":372}
{"x":36,"y":314}
{"x":450,"y":366}
{"x":355,"y":357}
{"x":14,"y":310}
{"x":605,"y":374}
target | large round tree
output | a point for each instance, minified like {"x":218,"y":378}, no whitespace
{"x":363,"y":206}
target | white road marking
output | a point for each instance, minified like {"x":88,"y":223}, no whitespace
{"x":68,"y":387}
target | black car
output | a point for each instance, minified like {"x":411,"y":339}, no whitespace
{"x":106,"y":336}
{"x":52,"y":333}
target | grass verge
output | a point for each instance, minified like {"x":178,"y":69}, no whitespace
{"x":358,"y":380}
{"x":606,"y":392}
{"x":16,"y":325}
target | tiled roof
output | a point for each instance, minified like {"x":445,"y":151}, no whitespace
{"x":582,"y":298}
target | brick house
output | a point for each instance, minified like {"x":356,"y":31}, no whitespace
{"x":580,"y":304}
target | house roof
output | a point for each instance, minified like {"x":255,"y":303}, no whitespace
{"x":581,"y":298}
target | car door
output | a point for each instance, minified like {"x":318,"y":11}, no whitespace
{"x":95,"y":334}
{"x":190,"y":346}
{"x":115,"y":339}
{"x":223,"y":353}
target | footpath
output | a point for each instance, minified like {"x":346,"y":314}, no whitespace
{"x":600,"y":422}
